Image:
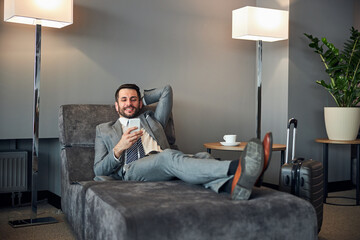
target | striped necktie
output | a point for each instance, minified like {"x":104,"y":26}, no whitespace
{"x":135,"y":152}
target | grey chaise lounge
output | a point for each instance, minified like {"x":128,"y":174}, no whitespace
{"x":163,"y":210}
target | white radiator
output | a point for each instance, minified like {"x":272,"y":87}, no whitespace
{"x":13,"y":171}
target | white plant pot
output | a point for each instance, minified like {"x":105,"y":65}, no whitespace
{"x":342,"y":123}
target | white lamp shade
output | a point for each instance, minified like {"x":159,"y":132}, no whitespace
{"x":254,"y":23}
{"x":48,"y":13}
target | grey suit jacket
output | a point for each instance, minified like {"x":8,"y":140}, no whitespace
{"x":109,"y":134}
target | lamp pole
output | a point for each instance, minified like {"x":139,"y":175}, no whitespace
{"x":259,"y":84}
{"x":36,"y":113}
{"x":37,"y":13}
{"x":35,"y":143}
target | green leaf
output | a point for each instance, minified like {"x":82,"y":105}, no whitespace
{"x":343,"y":67}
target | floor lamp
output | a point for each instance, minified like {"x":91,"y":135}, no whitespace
{"x":47,"y":13}
{"x":259,"y":24}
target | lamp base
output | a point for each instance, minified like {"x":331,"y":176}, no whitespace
{"x":32,"y":222}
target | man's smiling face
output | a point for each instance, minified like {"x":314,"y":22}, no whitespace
{"x":129,"y":103}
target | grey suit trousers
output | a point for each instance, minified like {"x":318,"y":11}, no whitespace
{"x":200,"y":168}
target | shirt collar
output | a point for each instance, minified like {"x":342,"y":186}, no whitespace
{"x":124,"y":121}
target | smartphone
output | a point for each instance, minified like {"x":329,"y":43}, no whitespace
{"x":134,"y":122}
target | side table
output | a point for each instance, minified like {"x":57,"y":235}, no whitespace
{"x":326,"y":143}
{"x":241,"y":147}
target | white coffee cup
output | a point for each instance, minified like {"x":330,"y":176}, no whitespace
{"x":230,"y":138}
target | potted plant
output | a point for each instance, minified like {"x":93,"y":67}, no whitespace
{"x":343,"y":68}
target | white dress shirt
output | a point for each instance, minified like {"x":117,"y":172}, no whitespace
{"x":148,"y":142}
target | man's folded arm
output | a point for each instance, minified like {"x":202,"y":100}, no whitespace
{"x":164,"y":98}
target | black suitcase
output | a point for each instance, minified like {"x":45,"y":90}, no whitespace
{"x":303,"y":178}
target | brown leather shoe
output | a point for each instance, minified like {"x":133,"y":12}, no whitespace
{"x":249,"y":169}
{"x":267,"y":143}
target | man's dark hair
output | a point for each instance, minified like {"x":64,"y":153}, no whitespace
{"x":127,"y":86}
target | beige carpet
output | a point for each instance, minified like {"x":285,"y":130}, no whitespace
{"x":60,"y":230}
{"x":340,"y":223}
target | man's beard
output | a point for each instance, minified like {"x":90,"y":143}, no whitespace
{"x":122,"y":112}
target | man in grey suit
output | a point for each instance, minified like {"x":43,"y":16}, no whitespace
{"x":144,"y":154}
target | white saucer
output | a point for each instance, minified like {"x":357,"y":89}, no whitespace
{"x":229,"y":144}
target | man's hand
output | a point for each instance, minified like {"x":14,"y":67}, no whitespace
{"x":126,"y":141}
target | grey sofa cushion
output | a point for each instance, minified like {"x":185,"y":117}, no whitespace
{"x":176,"y":210}
{"x":78,"y":164}
{"x":77,"y":122}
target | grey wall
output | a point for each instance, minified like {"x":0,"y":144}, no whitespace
{"x":356,"y":14}
{"x":322,"y":18}
{"x":186,"y":44}
{"x":275,"y":77}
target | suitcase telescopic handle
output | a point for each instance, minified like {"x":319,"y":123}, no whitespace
{"x":291,"y":121}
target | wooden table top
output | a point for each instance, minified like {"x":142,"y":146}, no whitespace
{"x":325,"y":140}
{"x":240,"y":147}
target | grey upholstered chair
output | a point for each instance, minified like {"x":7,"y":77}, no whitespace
{"x":163,"y":210}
